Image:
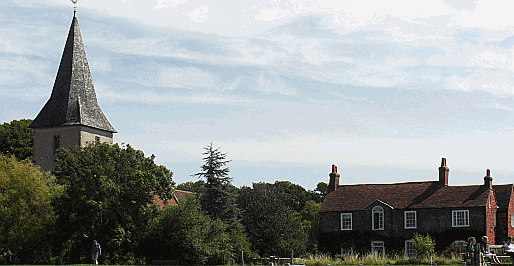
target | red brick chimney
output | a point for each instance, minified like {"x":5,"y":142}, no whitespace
{"x":488,"y":179}
{"x":334,"y":179}
{"x":443,"y":173}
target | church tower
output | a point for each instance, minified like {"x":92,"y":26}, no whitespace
{"x":71,"y":117}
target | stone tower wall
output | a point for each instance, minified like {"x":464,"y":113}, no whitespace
{"x":69,"y":136}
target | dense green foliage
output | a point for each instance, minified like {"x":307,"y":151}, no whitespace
{"x":272,"y":225}
{"x":16,"y":139}
{"x":187,"y":234}
{"x":26,"y":213}
{"x":197,"y":187}
{"x":106,"y":192}
{"x":322,"y":189}
{"x":423,"y":244}
{"x":219,"y":195}
{"x":109,"y":196}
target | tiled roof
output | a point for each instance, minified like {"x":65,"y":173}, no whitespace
{"x":178,"y":195}
{"x":502,"y":194}
{"x":405,"y":196}
{"x":73,"y":100}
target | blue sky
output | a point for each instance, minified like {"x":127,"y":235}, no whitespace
{"x":383,"y":89}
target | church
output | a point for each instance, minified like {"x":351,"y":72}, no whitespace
{"x":72,"y":116}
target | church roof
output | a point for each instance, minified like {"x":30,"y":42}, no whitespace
{"x":73,"y":100}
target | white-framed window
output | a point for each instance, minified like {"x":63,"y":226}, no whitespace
{"x":378,"y":247}
{"x":410,"y":249}
{"x":346,"y":221}
{"x":495,"y":217}
{"x":346,"y":250}
{"x":512,"y":220}
{"x":460,"y":218}
{"x":377,"y":218}
{"x":410,"y":219}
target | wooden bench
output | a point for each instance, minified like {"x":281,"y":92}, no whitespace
{"x":499,"y":250}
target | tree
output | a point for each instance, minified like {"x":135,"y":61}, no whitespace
{"x":219,"y":195}
{"x":271,"y":225}
{"x":26,"y":213}
{"x":187,"y":234}
{"x":196,"y":187}
{"x":322,"y":189}
{"x":16,"y":139}
{"x":294,"y":195}
{"x":109,"y":198}
{"x":309,"y":217}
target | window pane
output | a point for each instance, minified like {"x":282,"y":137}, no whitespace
{"x":460,"y":218}
{"x":378,"y":218}
{"x":410,"y":219}
{"x":378,"y":247}
{"x":410,"y":249}
{"x":346,"y":221}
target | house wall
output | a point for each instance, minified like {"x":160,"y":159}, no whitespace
{"x":510,"y":211}
{"x":491,"y":228}
{"x":436,"y":222}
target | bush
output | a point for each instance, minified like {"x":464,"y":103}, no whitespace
{"x":423,"y":244}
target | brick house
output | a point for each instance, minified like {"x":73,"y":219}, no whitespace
{"x":383,"y":217}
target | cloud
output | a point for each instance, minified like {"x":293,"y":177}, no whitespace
{"x":199,"y":14}
{"x":153,"y":97}
{"x":188,"y":77}
{"x":169,"y":3}
{"x":268,"y":86}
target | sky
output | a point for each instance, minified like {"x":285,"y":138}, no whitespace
{"x":382,"y":89}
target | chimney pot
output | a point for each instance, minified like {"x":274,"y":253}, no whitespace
{"x":443,"y":173}
{"x":334,"y":179}
{"x":488,"y":179}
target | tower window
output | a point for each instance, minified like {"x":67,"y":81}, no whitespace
{"x":57,"y":143}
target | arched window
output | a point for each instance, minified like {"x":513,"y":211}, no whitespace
{"x":378,"y":218}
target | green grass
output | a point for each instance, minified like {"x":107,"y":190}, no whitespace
{"x":374,"y":259}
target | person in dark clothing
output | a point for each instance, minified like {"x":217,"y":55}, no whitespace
{"x":96,"y":251}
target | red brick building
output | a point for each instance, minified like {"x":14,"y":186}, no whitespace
{"x":384,"y":217}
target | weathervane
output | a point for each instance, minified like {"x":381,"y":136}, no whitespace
{"x":74,"y":7}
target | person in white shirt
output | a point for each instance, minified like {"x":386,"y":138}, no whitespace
{"x":509,"y":248}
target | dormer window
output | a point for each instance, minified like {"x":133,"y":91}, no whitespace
{"x":378,"y":218}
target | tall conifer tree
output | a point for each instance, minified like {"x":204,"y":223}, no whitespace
{"x":219,"y":197}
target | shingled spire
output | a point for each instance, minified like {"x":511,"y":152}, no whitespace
{"x":71,"y":117}
{"x":73,"y":100}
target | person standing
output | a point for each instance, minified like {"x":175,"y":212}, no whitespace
{"x":509,"y":248}
{"x":96,"y":251}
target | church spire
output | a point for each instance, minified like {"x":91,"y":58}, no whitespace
{"x":73,"y":100}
